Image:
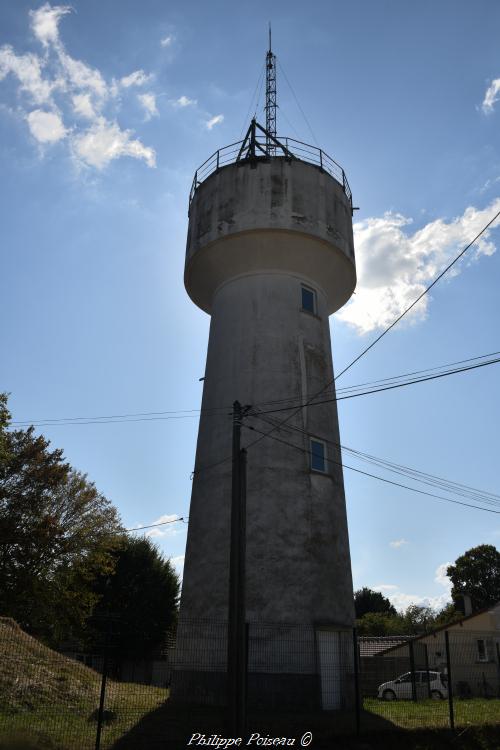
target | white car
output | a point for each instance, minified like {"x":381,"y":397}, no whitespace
{"x":427,"y":684}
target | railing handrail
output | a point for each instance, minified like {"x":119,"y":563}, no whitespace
{"x":310,"y":154}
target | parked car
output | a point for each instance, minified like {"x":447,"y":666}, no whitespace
{"x":427,"y":684}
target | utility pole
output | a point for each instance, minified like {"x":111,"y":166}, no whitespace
{"x":237,"y":636}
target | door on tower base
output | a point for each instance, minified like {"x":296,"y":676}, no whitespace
{"x":336,"y":668}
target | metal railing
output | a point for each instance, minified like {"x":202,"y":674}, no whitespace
{"x":290,"y":149}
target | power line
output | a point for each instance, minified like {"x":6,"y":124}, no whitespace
{"x":154,"y":525}
{"x":120,"y":531}
{"x":391,"y":326}
{"x":217,"y":411}
{"x":382,"y":388}
{"x":409,"y":472}
{"x":426,"y":290}
{"x":368,"y":474}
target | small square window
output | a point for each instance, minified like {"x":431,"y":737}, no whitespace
{"x":318,"y":455}
{"x":308,"y":300}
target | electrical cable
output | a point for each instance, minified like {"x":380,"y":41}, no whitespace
{"x":466,"y":491}
{"x":382,"y":388}
{"x":400,"y":317}
{"x":368,"y":474}
{"x":121,"y":531}
{"x":216,"y":411}
{"x":154,"y":525}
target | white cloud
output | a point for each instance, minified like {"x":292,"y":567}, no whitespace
{"x":401,"y":601}
{"x":491,"y":96}
{"x":137,"y":78}
{"x":394,"y":266}
{"x":178,"y":563}
{"x":104,"y":141}
{"x":167,"y":40}
{"x":46,"y":127}
{"x":45,"y":22}
{"x":214,"y":121}
{"x":28,"y":71}
{"x":441,"y":577}
{"x":184,"y":101}
{"x":58,"y":83}
{"x":148,"y":101}
{"x":82,"y":76}
{"x":82,"y":105}
{"x":398,"y":543}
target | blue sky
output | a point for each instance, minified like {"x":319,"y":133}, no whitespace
{"x":106,"y":110}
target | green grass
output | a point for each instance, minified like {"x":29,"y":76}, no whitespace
{"x":430,"y":713}
{"x":74,"y":726}
{"x":53,"y":698}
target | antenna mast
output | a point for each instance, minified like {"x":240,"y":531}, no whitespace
{"x":270,"y":98}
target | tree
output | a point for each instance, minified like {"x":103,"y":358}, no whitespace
{"x":56,"y":533}
{"x":477,"y":573}
{"x":139,"y":599}
{"x":366,"y":600}
{"x":418,"y":619}
{"x":380,"y":623}
{"x":447,"y":616}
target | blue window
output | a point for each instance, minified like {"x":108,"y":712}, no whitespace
{"x":318,"y":455}
{"x":308,"y":300}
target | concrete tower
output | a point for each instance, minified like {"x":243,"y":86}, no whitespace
{"x":269,"y":257}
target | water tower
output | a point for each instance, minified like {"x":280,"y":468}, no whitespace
{"x":270,"y":257}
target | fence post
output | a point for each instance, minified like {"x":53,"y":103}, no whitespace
{"x":102,"y":697}
{"x":426,"y":652}
{"x":357,"y":697}
{"x":412,"y":670}
{"x":450,"y":688}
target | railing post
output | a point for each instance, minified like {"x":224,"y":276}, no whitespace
{"x":321,"y":158}
{"x":450,"y":688}
{"x":217,"y":158}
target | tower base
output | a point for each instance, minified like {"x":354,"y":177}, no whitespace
{"x":290,"y":667}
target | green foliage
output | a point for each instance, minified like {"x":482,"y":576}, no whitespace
{"x":366,"y":600}
{"x":138,"y":600}
{"x":379,"y":623}
{"x":418,"y":619}
{"x":415,"y":620}
{"x":447,"y":615}
{"x":56,"y":533}
{"x":477,"y":573}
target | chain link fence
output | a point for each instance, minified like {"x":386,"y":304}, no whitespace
{"x":320,"y":679}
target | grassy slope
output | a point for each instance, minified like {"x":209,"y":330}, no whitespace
{"x":50,"y":694}
{"x":50,"y":699}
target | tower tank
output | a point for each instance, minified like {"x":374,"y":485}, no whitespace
{"x":269,"y":257}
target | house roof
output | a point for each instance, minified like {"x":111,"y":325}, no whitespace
{"x":373,"y":645}
{"x":443,"y":627}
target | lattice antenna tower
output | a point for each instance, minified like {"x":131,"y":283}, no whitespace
{"x":270,"y":98}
